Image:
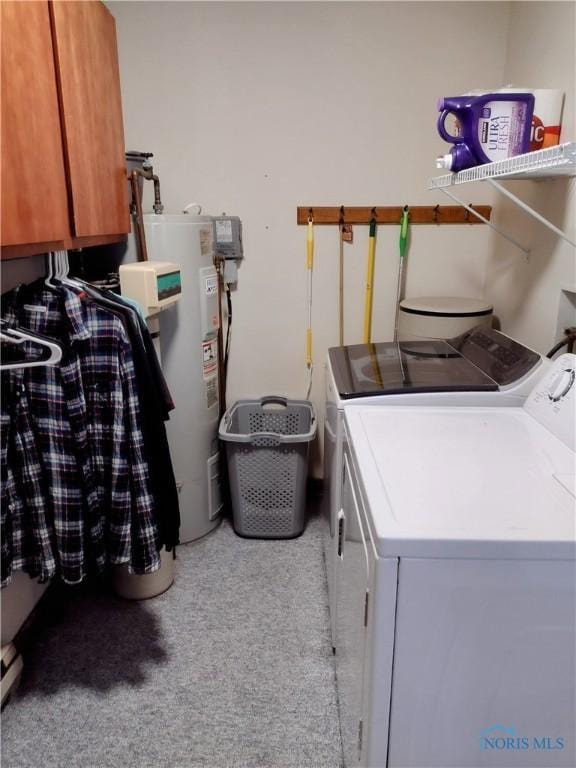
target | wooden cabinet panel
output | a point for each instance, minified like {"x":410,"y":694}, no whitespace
{"x":84,"y":36}
{"x":33,"y":185}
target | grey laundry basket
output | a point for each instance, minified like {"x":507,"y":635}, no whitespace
{"x":267,"y":443}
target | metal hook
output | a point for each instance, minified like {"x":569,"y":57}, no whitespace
{"x":310,"y":215}
{"x":435,"y":213}
{"x":373,"y":215}
{"x":467,"y":213}
{"x":341,"y":222}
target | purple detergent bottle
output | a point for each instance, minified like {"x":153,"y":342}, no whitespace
{"x":489,"y":127}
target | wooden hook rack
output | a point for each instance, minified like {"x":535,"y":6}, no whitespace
{"x":391,"y":214}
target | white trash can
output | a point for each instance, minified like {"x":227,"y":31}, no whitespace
{"x":441,"y":317}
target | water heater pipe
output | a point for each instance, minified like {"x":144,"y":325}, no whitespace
{"x":222,"y":372}
{"x":148,"y":174}
{"x":137,"y":201}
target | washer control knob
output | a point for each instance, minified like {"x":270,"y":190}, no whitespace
{"x":561,"y":385}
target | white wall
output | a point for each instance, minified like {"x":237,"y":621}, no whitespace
{"x":256,"y":108}
{"x":527,"y":292}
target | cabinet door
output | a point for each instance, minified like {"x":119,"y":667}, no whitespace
{"x":84,"y":35}
{"x":351,"y":619}
{"x":33,"y":188}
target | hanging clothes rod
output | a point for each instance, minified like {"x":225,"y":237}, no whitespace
{"x":391,"y":214}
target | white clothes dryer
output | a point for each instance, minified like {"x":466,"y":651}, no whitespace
{"x":456,"y":621}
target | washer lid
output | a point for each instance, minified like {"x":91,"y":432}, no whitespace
{"x":392,"y":368}
{"x":446,"y":306}
{"x":463,"y":482}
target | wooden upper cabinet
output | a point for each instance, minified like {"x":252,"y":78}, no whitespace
{"x":34,"y":202}
{"x":84,"y":37}
{"x":63,"y":176}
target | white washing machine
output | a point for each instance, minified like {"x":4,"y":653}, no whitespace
{"x":480,"y":367}
{"x":456,"y":635}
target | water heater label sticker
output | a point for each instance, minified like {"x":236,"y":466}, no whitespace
{"x":223,"y":231}
{"x":206,"y":241}
{"x":211,"y":286}
{"x":211,"y":392}
{"x":209,"y":358}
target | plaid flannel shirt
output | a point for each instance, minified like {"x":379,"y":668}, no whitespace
{"x":27,"y":540}
{"x":85,"y":416}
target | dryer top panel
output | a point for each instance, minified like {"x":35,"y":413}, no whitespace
{"x":463,"y":482}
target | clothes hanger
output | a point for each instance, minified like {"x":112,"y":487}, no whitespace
{"x":62,"y":266}
{"x":49,"y":269}
{"x":19,"y":336}
{"x":64,"y":276}
{"x":51,"y":276}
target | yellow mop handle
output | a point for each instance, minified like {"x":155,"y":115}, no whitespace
{"x":369,"y":283}
{"x":309,"y":266}
{"x":310,"y":245}
{"x":309,"y":347}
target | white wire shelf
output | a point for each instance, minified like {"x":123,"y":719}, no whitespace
{"x":549,"y":163}
{"x":544,"y":163}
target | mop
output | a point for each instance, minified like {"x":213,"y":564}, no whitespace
{"x":403,"y":244}
{"x":310,"y":268}
{"x":370,"y":281}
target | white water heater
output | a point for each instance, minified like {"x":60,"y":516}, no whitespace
{"x":189,"y":344}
